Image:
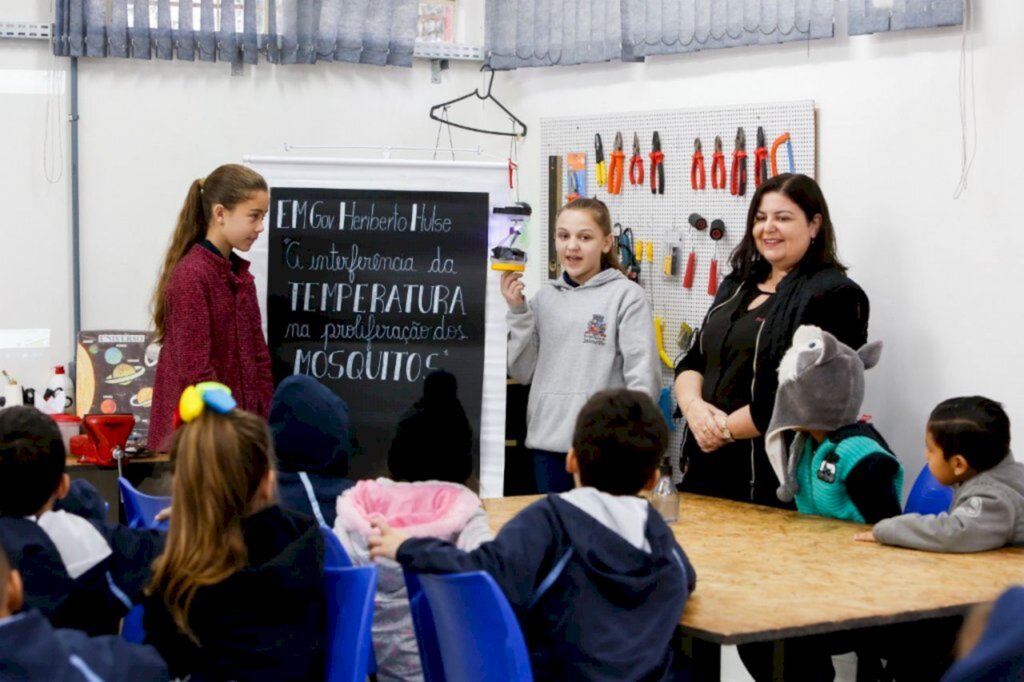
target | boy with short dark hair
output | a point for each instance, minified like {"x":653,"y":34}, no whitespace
{"x":967,"y":445}
{"x":612,"y":610}
{"x":79,"y":573}
{"x":31,"y":649}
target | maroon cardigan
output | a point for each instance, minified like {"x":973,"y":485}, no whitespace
{"x":212,"y":332}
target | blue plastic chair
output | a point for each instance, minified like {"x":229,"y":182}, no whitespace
{"x":477,"y":633}
{"x":928,"y":496}
{"x":140,"y":509}
{"x":335,"y":555}
{"x":131,"y":628}
{"x":426,"y":633}
{"x":349,"y":593}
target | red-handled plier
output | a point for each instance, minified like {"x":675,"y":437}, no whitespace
{"x":636,"y":164}
{"x":760,"y":159}
{"x":616,"y":167}
{"x":657,"y":166}
{"x":738,"y":187}
{"x":697,"y":176}
{"x":718,"y":165}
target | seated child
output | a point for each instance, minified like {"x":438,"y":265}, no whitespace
{"x":435,"y":419}
{"x":836,"y":466}
{"x":238,"y":593}
{"x":428,"y":503}
{"x":991,"y":644}
{"x":80,"y":573}
{"x":31,"y":649}
{"x":967,"y":445}
{"x":612,"y":611}
{"x":313,"y":443}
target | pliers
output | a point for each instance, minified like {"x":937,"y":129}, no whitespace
{"x":718,"y":165}
{"x":738,"y":187}
{"x":602,"y":168}
{"x":636,"y":164}
{"x":697,"y":176}
{"x":760,"y":159}
{"x":574,"y":190}
{"x":657,"y":166}
{"x":616,"y":168}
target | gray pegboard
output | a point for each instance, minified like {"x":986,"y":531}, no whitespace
{"x":662,"y":219}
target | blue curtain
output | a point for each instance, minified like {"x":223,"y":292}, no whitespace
{"x":549,"y":32}
{"x":286,"y":31}
{"x":651,"y":27}
{"x":866,"y":17}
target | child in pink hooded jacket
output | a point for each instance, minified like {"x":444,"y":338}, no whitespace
{"x":432,"y":442}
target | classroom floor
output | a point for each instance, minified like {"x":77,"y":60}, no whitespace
{"x":733,"y":670}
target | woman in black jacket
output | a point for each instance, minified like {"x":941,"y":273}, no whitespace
{"x":785,"y":273}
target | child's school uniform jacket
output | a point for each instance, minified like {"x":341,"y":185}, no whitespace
{"x":212,"y":332}
{"x":265,"y":622}
{"x":80,"y":573}
{"x":987,"y":512}
{"x":999,"y":653}
{"x":314,"y":441}
{"x":611,"y":612}
{"x":447,"y":511}
{"x":33,"y":651}
{"x":569,"y":342}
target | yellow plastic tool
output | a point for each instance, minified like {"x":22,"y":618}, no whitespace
{"x":659,"y":335}
{"x":509,"y":266}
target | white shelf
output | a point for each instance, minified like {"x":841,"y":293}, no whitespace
{"x":24,"y":30}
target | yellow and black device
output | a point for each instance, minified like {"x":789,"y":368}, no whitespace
{"x":504,"y":256}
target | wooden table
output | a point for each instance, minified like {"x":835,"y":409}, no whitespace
{"x":141,"y":472}
{"x":766,"y":574}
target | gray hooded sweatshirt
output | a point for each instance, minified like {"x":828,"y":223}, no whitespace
{"x":571,"y":342}
{"x":987,"y":513}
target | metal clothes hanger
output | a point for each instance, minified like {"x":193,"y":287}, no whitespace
{"x":443,"y":106}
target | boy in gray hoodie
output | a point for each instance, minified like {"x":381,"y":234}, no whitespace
{"x":968,"y":447}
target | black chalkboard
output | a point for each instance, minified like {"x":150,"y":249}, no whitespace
{"x":368,"y":291}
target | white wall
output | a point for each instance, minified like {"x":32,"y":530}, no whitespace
{"x":941,"y":273}
{"x":35,"y":247}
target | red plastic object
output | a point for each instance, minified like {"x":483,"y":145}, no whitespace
{"x":713,"y":278}
{"x":691,"y":267}
{"x":107,"y":433}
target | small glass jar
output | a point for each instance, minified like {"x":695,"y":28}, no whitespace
{"x":665,"y":497}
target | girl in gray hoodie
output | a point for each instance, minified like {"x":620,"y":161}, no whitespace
{"x":589,"y":330}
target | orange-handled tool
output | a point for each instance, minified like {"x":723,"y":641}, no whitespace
{"x":617,"y":167}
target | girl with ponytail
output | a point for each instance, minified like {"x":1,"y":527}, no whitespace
{"x":205,"y":310}
{"x":589,"y":330}
{"x":237,"y":593}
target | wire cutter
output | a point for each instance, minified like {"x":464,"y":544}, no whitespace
{"x":697,"y":176}
{"x":718,"y":165}
{"x":738,"y":187}
{"x":636,"y":164}
{"x":657,"y":166}
{"x":780,"y":140}
{"x":760,"y":159}
{"x":602,"y":167}
{"x":616,"y":168}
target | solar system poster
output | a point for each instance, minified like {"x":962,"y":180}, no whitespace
{"x":115,"y":374}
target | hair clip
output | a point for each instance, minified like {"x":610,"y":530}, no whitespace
{"x":194,"y":399}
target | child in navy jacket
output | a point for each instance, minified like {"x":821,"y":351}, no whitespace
{"x":314,"y":443}
{"x":78,"y":572}
{"x":238,"y":593}
{"x":612,"y":611}
{"x":31,"y":649}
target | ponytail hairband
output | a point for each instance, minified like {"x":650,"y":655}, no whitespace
{"x":208,"y":394}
